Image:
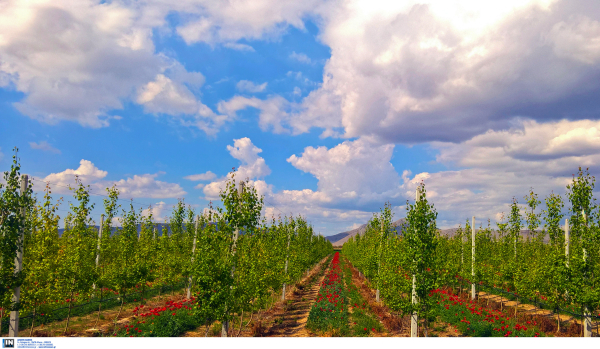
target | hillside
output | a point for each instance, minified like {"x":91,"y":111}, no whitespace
{"x":340,"y":238}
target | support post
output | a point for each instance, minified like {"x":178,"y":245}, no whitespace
{"x":13,"y":325}
{"x":189,"y":288}
{"x":473,"y":290}
{"x":414,"y":318}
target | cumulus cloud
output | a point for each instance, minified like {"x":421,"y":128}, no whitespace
{"x":212,"y":23}
{"x":87,"y":172}
{"x":300,"y":57}
{"x":157,"y":211}
{"x":415,"y":72}
{"x":251,"y":167}
{"x":272,"y":110}
{"x":354,"y":171}
{"x":249,"y":86}
{"x":138,"y":186}
{"x":146,"y":186}
{"x":499,"y":165}
{"x":80,"y":63}
{"x":73,"y":62}
{"x":354,"y":179}
{"x":44,"y":146}
{"x":207,"y":176}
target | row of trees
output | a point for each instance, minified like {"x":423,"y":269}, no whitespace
{"x":539,"y":263}
{"x":232,"y":258}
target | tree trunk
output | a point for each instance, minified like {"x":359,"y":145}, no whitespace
{"x":32,"y":321}
{"x":99,"y":308}
{"x":1,"y":316}
{"x":248,"y":323}
{"x":69,"y":314}
{"x":558,"y":330}
{"x":241,"y":324}
{"x":119,"y":314}
{"x":207,"y":329}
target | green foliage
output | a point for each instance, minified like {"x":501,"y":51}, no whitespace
{"x":238,"y":263}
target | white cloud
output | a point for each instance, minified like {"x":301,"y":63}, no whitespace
{"x":140,"y":186}
{"x":577,"y":38}
{"x":73,"y":62}
{"x":146,"y":186}
{"x":413,"y":72}
{"x":207,"y":176}
{"x":199,"y":186}
{"x":239,"y":47}
{"x":272,"y":110}
{"x":44,"y":146}
{"x":252,"y":167}
{"x":354,"y":171}
{"x":300,"y":57}
{"x":82,"y":62}
{"x":500,"y":165}
{"x":215,"y":22}
{"x":164,"y":96}
{"x":172,"y":96}
{"x":249,"y":86}
{"x":158,"y":211}
{"x":87,"y":172}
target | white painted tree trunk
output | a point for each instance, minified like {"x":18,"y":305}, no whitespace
{"x":587,"y":320}
{"x":473,"y":290}
{"x":567,"y":242}
{"x":414,"y":318}
{"x":189,"y":288}
{"x":13,"y":325}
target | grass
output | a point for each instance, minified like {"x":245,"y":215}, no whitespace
{"x":363,"y":323}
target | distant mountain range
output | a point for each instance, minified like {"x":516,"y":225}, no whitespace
{"x":340,"y":238}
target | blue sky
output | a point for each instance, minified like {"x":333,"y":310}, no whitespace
{"x":330,"y":108}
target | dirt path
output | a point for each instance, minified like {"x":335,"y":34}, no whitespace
{"x":394,"y":325}
{"x":290,"y":320}
{"x":281,"y":320}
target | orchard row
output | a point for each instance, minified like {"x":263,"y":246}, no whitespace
{"x":231,"y":260}
{"x":557,"y":264}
